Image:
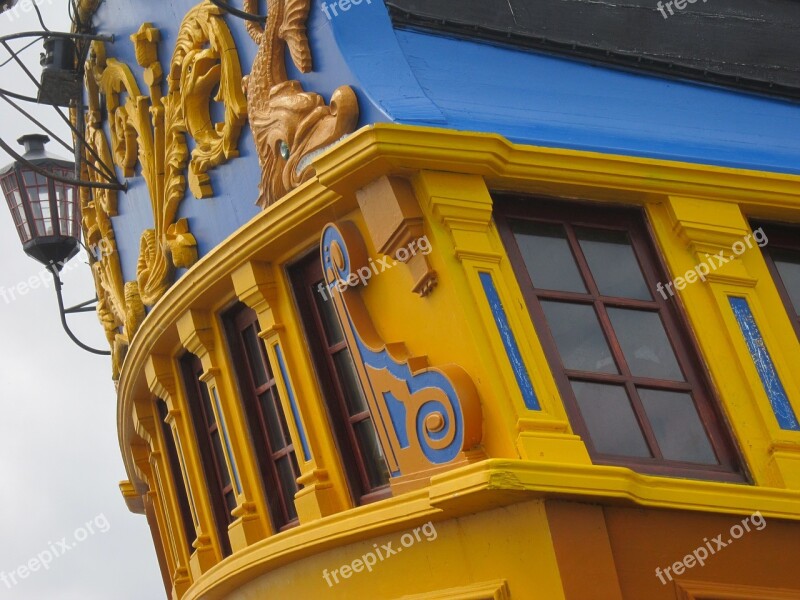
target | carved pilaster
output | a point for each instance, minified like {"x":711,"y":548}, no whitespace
{"x":256,"y":285}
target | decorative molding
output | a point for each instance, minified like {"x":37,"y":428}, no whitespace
{"x":427,"y":418}
{"x":706,"y":590}
{"x":150,"y":131}
{"x":290,"y":126}
{"x":485,"y":590}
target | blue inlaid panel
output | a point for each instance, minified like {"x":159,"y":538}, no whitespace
{"x":293,"y":403}
{"x":510,"y":343}
{"x":764,"y":365}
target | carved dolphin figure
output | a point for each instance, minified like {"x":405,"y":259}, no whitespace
{"x":290,"y":126}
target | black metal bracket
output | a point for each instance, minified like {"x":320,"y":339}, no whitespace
{"x":88,"y":306}
{"x":223,"y":4}
{"x":105,"y":172}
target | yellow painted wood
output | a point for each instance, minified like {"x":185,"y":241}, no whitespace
{"x":692,"y":209}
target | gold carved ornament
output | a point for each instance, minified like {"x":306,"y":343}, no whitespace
{"x":150,"y":131}
{"x":290,"y":126}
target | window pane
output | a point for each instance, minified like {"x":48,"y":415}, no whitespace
{"x":645,"y":344}
{"x":275,"y":430}
{"x":288,"y":479}
{"x":579,"y":338}
{"x":230,"y":501}
{"x":613,"y":263}
{"x":252,"y":346}
{"x":548,"y":257}
{"x":610,"y":419}
{"x":354,"y":396}
{"x":220,"y":457}
{"x":677,"y":426}
{"x":211,"y":420}
{"x":374,"y":462}
{"x":788,"y":263}
{"x":327,"y":312}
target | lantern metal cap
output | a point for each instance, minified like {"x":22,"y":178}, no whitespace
{"x":33,"y":143}
{"x":36,"y":154}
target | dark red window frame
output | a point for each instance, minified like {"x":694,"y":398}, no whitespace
{"x":220,"y":487}
{"x":265,"y":415}
{"x":509,"y":209}
{"x":360,"y":465}
{"x":173,"y":460}
{"x":784,"y":238}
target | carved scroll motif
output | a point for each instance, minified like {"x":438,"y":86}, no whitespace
{"x":427,"y":417}
{"x":149,"y":131}
{"x":290,"y":126}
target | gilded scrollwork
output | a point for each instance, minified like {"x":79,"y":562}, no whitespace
{"x":149,"y":131}
{"x":290,"y":126}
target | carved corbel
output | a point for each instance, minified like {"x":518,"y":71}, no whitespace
{"x":428,"y":418}
{"x":394,"y":221}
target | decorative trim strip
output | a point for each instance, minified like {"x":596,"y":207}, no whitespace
{"x":226,"y":438}
{"x":510,"y":343}
{"x":186,"y":480}
{"x":293,"y":403}
{"x":764,"y":365}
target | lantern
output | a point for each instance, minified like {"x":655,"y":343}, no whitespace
{"x":46,"y":212}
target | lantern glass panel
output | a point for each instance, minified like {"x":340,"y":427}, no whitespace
{"x":39,"y":196}
{"x":65,"y":201}
{"x":13,"y":196}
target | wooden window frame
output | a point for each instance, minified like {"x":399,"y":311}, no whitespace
{"x":174,"y":463}
{"x":213,"y":463}
{"x":237,"y":320}
{"x":697,"y":381}
{"x":782,"y":237}
{"x":304,"y":274}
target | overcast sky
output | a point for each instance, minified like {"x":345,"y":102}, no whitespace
{"x":60,"y":462}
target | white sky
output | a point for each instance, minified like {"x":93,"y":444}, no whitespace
{"x":59,"y":455}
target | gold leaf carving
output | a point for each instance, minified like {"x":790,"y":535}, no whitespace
{"x":290,"y":126}
{"x":149,"y":131}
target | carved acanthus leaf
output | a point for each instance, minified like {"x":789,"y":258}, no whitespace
{"x":150,"y":131}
